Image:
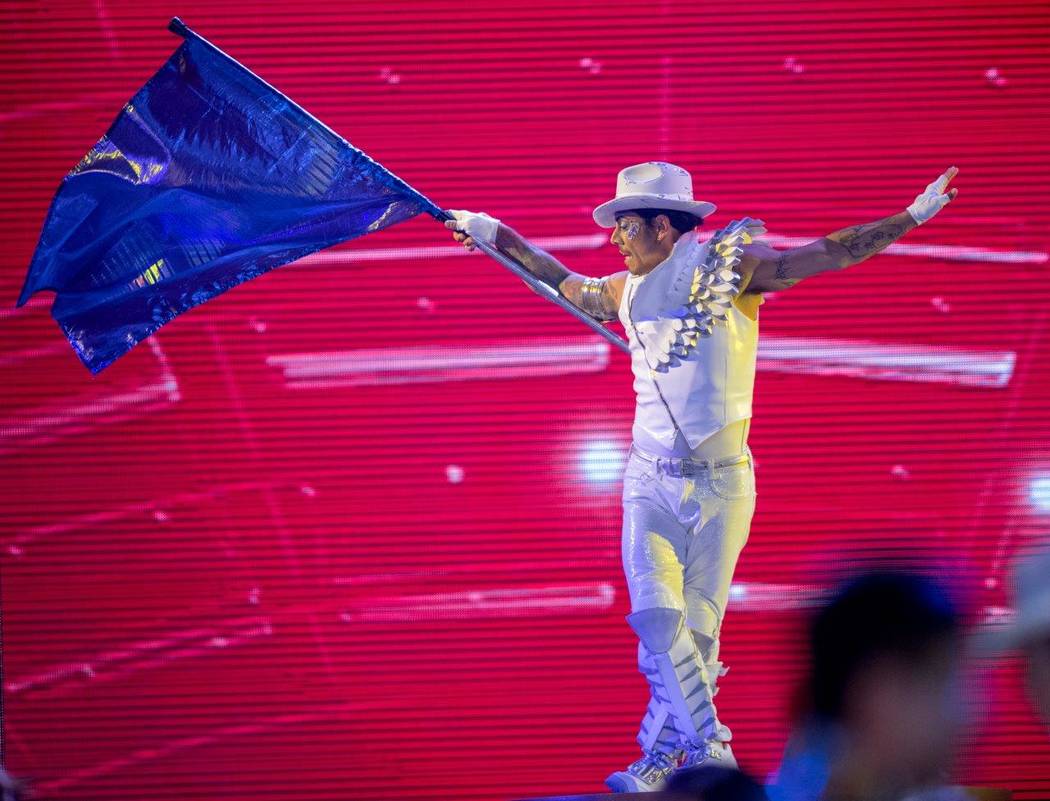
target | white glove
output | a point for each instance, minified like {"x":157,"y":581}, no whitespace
{"x":478,"y":226}
{"x":932,"y":200}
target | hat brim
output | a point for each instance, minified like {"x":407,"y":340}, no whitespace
{"x":605,"y":214}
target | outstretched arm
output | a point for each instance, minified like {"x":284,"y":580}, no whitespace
{"x":776,"y":270}
{"x":600,"y":298}
{"x":772,"y":270}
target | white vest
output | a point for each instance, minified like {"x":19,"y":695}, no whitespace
{"x":706,"y":391}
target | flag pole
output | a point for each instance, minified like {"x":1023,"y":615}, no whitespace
{"x":541,"y":288}
{"x":545,"y":290}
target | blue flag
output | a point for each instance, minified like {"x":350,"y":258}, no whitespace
{"x":208,"y":178}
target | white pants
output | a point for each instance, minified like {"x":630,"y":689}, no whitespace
{"x":684,"y":525}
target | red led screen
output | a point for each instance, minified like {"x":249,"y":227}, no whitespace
{"x":351,"y":530}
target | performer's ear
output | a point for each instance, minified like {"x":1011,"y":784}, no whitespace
{"x":662,"y":223}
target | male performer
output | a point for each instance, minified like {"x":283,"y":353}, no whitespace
{"x":689,"y":484}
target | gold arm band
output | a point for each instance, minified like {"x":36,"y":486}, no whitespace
{"x":592,"y":298}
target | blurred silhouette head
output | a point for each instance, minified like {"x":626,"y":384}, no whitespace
{"x":713,"y":783}
{"x":886,"y":671}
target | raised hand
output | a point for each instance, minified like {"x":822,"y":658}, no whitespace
{"x":933,"y":198}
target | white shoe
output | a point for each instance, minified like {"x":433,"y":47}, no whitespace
{"x":713,"y":752}
{"x":646,"y":775}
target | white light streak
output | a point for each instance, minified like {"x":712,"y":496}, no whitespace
{"x":885,"y":362}
{"x":1039,"y":493}
{"x":602,"y":461}
{"x":437,"y":363}
{"x":773,"y":597}
{"x":585,"y":597}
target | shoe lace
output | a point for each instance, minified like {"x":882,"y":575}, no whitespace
{"x":699,"y":753}
{"x":660,"y":761}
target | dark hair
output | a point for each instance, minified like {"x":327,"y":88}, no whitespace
{"x":714,"y":783}
{"x":681,"y":221}
{"x":877,"y":614}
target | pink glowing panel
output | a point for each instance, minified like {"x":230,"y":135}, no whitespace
{"x":429,"y":363}
{"x":886,"y":362}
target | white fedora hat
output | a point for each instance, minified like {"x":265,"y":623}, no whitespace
{"x":652,"y":185}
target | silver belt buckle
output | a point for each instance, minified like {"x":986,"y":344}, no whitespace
{"x":684,"y":468}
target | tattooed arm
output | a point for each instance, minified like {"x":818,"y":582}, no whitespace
{"x":568,"y":283}
{"x":772,"y":270}
{"x":601,"y":301}
{"x":603,"y":304}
